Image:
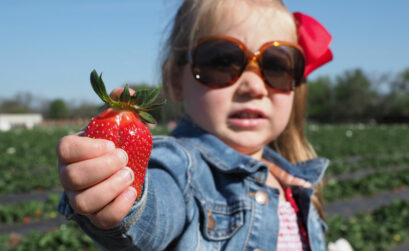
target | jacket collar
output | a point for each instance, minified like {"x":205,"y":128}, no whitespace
{"x":228,"y":160}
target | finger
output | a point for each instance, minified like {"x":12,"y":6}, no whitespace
{"x":83,"y":174}
{"x":288,"y":179}
{"x":294,"y":181}
{"x":97,"y":197}
{"x":73,"y":148}
{"x":114,"y":212}
{"x":117,"y":92}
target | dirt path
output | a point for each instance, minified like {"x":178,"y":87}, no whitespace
{"x":403,"y":247}
{"x":349,"y":207}
{"x":40,"y":225}
{"x":17,"y":198}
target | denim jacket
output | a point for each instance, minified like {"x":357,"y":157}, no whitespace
{"x":200,"y":194}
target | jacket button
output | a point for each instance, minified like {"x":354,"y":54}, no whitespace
{"x":261,"y":197}
{"x":211,"y":223}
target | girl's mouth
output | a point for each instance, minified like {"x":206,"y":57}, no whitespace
{"x":246,"y":118}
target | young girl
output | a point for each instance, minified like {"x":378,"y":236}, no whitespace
{"x":226,"y":178}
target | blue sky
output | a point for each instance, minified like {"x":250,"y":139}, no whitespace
{"x":49,"y":47}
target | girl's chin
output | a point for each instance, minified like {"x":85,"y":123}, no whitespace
{"x":253,"y":149}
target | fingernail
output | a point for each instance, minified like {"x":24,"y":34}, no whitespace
{"x":307,"y":185}
{"x":123,"y":156}
{"x":110,"y":145}
{"x":126,"y":174}
{"x":130,"y":194}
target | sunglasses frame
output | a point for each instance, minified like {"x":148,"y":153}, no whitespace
{"x":249,"y":57}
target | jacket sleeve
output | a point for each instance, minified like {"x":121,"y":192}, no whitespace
{"x":159,"y":216}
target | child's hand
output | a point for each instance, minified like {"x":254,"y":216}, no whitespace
{"x":287,"y":178}
{"x":94,"y":175}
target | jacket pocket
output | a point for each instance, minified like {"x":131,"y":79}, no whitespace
{"x":221,"y":221}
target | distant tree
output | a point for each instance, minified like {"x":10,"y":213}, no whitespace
{"x":354,"y":97}
{"x":320,"y":99}
{"x":58,"y":109}
{"x":13,"y":106}
{"x":401,"y":83}
{"x":395,"y":104}
{"x":85,"y":110}
{"x":20,"y":103}
{"x":26,"y":99}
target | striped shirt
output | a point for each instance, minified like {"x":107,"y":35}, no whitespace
{"x":289,"y":236}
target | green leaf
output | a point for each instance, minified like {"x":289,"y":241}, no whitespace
{"x":94,"y":78}
{"x":152,"y":96}
{"x":125,"y":95}
{"x":146,"y":117}
{"x":152,"y":107}
{"x":99,"y":87}
{"x":139,"y":96}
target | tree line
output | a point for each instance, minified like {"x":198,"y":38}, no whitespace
{"x":353,"y":96}
{"x":356,"y":97}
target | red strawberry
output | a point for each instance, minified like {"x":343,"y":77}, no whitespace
{"x":121,"y":123}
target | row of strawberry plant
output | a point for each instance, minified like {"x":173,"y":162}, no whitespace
{"x":382,"y":229}
{"x":66,"y":237}
{"x":335,"y":141}
{"x":369,"y":185}
{"x":30,"y":210}
{"x":25,"y":182}
{"x":345,"y":165}
{"x":29,"y":161}
{"x":28,"y":150}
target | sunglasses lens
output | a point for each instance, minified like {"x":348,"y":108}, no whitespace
{"x":277,"y":69}
{"x":217,"y":63}
{"x":281,"y":68}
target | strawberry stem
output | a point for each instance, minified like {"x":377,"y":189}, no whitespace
{"x":140,"y":102}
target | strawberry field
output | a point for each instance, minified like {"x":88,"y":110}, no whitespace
{"x":366,"y":187}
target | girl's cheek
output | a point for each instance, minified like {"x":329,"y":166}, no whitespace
{"x":283,"y":104}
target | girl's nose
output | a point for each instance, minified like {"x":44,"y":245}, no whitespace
{"x":251,"y":81}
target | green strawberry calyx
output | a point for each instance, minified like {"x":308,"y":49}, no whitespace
{"x":140,"y":102}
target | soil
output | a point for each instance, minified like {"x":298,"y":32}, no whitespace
{"x":35,"y":195}
{"x":349,"y":207}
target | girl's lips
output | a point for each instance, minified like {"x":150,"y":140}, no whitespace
{"x":247,"y":113}
{"x":247,"y":118}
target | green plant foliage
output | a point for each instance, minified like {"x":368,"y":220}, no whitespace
{"x":370,"y":141}
{"x":29,"y":162}
{"x":381,"y":229}
{"x":370,"y":185}
{"x":31,"y":210}
{"x":68,"y":237}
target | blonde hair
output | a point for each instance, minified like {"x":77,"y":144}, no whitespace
{"x":293,"y":145}
{"x":197,"y":17}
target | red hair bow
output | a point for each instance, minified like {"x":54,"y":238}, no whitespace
{"x":315,"y":41}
